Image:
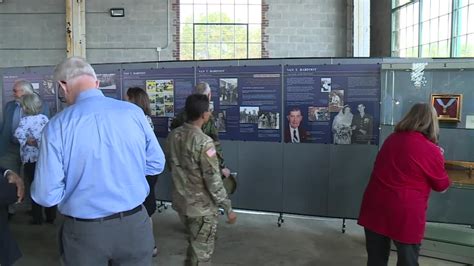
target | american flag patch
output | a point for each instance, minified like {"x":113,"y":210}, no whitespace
{"x":211,"y":152}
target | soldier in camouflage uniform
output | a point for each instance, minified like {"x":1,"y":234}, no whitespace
{"x":197,"y":181}
{"x":209,"y":128}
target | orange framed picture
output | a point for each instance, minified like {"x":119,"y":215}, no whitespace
{"x":447,"y":106}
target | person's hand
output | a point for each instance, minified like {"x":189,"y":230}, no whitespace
{"x":32,"y":142}
{"x":231,"y":217}
{"x":225,"y":172}
{"x":18,"y":182}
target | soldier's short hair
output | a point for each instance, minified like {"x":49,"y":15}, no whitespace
{"x":196,"y":106}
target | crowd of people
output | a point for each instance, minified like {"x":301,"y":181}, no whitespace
{"x":97,"y":162}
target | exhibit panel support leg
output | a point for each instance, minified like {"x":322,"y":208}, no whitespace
{"x":343,"y":225}
{"x":280,"y":220}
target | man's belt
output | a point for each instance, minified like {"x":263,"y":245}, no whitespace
{"x":110,"y":217}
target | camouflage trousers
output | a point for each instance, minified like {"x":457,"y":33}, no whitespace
{"x":202,"y":235}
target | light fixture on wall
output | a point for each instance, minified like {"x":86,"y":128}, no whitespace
{"x":117,"y":12}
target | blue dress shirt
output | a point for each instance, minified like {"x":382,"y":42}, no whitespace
{"x":94,"y":157}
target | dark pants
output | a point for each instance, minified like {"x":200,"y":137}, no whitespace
{"x":150,"y":200}
{"x":37,"y":210}
{"x":378,"y":250}
{"x":124,"y":241}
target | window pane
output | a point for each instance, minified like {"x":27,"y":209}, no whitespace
{"x":397,"y":3}
{"x":241,"y":2}
{"x":214,"y":2}
{"x":416,"y":12}
{"x":255,"y":14}
{"x":463,"y":3}
{"x":255,"y":33}
{"x":425,"y":12}
{"x":425,"y":50}
{"x":214,"y":13}
{"x":185,"y":2}
{"x":255,"y":50}
{"x":200,"y":15}
{"x":462,"y":20}
{"x":240,"y":50}
{"x":469,"y":51}
{"x":228,"y":34}
{"x":425,"y":38}
{"x":186,"y":31}
{"x":409,"y":14}
{"x":444,"y":28}
{"x":186,"y":51}
{"x":403,"y":38}
{"x":214,"y":50}
{"x":201,"y":51}
{"x":186,"y":13}
{"x":443,"y":49}
{"x":227,"y":15}
{"x":470,"y":20}
{"x":241,"y":15}
{"x":445,"y":6}
{"x":433,"y":49}
{"x":415,"y":35}
{"x":434,"y":8}
{"x":434,"y":32}
{"x":255,"y":2}
{"x":201,"y":33}
{"x":403,"y":17}
{"x":214,"y":33}
{"x":227,"y":50}
{"x":240,"y":33}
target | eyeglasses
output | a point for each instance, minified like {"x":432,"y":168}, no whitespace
{"x":61,"y":97}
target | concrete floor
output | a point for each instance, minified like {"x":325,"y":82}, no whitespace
{"x":254,"y":240}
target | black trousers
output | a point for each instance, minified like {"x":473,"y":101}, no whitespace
{"x":378,"y":250}
{"x":37,"y":210}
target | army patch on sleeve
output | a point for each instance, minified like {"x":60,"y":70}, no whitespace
{"x":211,"y":152}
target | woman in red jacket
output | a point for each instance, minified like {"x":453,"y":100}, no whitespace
{"x":408,"y":166}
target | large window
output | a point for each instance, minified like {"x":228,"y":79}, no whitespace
{"x":433,"y":28}
{"x":220,"y":29}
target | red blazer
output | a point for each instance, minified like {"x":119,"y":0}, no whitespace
{"x":395,"y":201}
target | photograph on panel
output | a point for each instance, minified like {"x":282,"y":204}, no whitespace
{"x":48,"y":86}
{"x":342,"y":126}
{"x":325,"y":84}
{"x":318,"y":113}
{"x":151,"y":86}
{"x":362,"y":126}
{"x":220,"y":120}
{"x":336,"y":100}
{"x":268,"y":120}
{"x":107,"y":81}
{"x":249,"y":114}
{"x":169,"y":110}
{"x":228,"y":91}
{"x":159,"y":110}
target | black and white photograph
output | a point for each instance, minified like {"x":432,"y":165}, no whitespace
{"x":325,"y":84}
{"x":48,"y":86}
{"x":362,"y":126}
{"x":336,"y":100}
{"x":107,"y":81}
{"x":220,"y":120}
{"x":318,"y":113}
{"x":268,"y":120}
{"x":342,"y":126}
{"x":228,"y":91}
{"x":249,"y":114}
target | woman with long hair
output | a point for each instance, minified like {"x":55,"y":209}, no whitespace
{"x":139,"y":97}
{"x":408,"y":166}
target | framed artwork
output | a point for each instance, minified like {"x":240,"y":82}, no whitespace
{"x":447,"y":106}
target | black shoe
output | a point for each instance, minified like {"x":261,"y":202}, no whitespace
{"x":50,"y":221}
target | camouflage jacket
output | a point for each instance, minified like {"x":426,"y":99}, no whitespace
{"x":197,"y":185}
{"x":209,"y":129}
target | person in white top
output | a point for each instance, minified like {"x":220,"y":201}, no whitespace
{"x":28,"y":134}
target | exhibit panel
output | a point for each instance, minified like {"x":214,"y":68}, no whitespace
{"x":260,"y":176}
{"x":306,"y":173}
{"x":231,"y":160}
{"x":350,"y":169}
{"x":110,"y":80}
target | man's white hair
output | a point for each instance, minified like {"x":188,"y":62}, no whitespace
{"x":202,"y":88}
{"x":73,"y":67}
{"x":25,"y":85}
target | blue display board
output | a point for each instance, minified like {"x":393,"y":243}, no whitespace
{"x":246,"y":101}
{"x":110,"y":82}
{"x":41,"y":80}
{"x":337,"y":104}
{"x":167,"y":89}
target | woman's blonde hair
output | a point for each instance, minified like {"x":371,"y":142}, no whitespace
{"x":31,"y":104}
{"x":422,"y":117}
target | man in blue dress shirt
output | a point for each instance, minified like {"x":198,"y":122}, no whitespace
{"x":93,"y":160}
